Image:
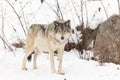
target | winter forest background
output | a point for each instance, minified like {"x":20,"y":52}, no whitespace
{"x":82,"y":58}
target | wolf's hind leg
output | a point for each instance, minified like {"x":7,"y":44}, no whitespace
{"x":35,"y":59}
{"x":24,"y":62}
{"x":28,"y":52}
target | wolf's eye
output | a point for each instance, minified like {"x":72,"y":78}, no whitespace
{"x":58,"y":31}
{"x":64,"y":31}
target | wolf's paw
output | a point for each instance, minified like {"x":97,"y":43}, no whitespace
{"x":35,"y":67}
{"x":53,"y":71}
{"x":61,"y":72}
{"x":24,"y":68}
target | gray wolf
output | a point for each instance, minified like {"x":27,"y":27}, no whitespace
{"x":47,"y":38}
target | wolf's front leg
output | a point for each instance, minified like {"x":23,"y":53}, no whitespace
{"x":60,"y":55}
{"x":35,"y":58}
{"x":51,"y":54}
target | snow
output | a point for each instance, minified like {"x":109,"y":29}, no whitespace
{"x":74,"y":68}
{"x":35,"y":12}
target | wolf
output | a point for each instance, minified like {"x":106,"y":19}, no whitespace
{"x":47,"y":38}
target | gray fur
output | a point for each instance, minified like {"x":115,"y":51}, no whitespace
{"x":47,"y":38}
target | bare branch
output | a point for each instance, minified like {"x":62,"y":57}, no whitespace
{"x":17,"y":16}
{"x":42,"y":1}
{"x":7,"y":44}
{"x":3,"y":34}
{"x":59,"y":9}
{"x":76,"y":12}
{"x":104,"y":8}
{"x":53,"y":10}
{"x":119,"y":6}
{"x":23,"y":15}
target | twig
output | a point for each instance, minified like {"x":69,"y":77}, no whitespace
{"x":42,"y":1}
{"x":76,"y":12}
{"x":34,"y":14}
{"x":104,"y":8}
{"x":59,"y":9}
{"x":3,"y":34}
{"x":23,"y":15}
{"x":118,"y":6}
{"x":82,"y":10}
{"x":86,"y":14}
{"x":7,"y":44}
{"x":65,"y":5}
{"x":24,"y":7}
{"x":53,"y":10}
{"x":17,"y":16}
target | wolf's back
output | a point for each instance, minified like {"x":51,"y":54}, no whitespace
{"x":35,"y":28}
{"x":32,"y":32}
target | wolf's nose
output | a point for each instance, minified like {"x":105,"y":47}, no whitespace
{"x":62,"y":37}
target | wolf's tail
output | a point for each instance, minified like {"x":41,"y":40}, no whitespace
{"x":30,"y":56}
{"x":29,"y":43}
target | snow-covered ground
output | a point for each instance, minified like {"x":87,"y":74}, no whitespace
{"x":35,"y":12}
{"x":74,"y":68}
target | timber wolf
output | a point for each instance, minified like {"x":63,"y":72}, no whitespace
{"x":47,"y":38}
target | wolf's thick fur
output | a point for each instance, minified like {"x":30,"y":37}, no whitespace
{"x":47,"y":38}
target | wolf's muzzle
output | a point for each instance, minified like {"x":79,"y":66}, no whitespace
{"x":62,"y":38}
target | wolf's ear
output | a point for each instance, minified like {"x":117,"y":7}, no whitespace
{"x":56,"y":23}
{"x":67,"y":23}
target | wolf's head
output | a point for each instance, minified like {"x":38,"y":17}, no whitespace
{"x":62,"y":30}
